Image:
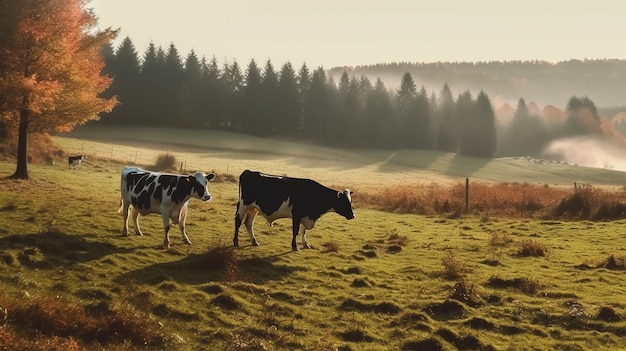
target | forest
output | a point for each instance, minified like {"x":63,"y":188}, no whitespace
{"x":160,"y":87}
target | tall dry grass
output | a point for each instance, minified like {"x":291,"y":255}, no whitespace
{"x":501,"y":199}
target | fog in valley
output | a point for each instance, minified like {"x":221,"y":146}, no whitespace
{"x":589,"y":152}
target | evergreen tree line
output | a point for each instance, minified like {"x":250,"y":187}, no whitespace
{"x":539,"y":81}
{"x":163,"y":89}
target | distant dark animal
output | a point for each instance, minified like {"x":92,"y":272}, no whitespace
{"x":167,"y":194}
{"x":75,"y":161}
{"x":275,"y":197}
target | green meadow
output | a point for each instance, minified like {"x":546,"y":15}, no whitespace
{"x":383,"y":281}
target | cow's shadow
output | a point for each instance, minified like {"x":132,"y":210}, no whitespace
{"x":53,"y":248}
{"x":217,"y":264}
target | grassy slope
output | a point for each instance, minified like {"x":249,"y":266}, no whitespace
{"x":384,"y":287}
{"x":231,"y":153}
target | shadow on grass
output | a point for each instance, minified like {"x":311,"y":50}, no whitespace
{"x":465,"y":166}
{"x":53,"y":248}
{"x":218,"y":264}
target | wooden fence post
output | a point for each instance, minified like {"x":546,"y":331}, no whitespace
{"x":466,"y":195}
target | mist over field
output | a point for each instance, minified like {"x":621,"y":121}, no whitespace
{"x":589,"y":152}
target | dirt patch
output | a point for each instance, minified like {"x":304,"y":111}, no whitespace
{"x":608,"y":314}
{"x":382,"y":307}
{"x":355,"y":336}
{"x":446,"y":310}
{"x":613,"y":263}
{"x":479,"y":323}
{"x":426,"y":344}
{"x":212,"y":289}
{"x":525,"y":285}
{"x":226,"y":302}
{"x":360,"y":283}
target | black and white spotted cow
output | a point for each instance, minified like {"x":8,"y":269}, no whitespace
{"x":275,"y":197}
{"x":75,"y":161}
{"x":168,"y":194}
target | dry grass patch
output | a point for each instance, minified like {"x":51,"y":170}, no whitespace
{"x":67,"y":325}
{"x":453,"y":267}
{"x":531,"y":248}
{"x":501,"y":199}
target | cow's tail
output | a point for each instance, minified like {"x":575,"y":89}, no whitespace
{"x":238,"y":200}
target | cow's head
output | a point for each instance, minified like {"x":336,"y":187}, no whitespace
{"x":200,"y":185}
{"x":343,"y":205}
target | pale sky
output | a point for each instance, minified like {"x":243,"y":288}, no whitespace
{"x":361,"y":32}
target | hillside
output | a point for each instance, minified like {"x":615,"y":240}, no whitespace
{"x":382,"y":281}
{"x":232,"y":153}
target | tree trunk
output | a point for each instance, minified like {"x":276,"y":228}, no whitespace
{"x":21,"y":171}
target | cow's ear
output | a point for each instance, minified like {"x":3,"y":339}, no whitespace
{"x":339,"y":194}
{"x":210,"y":177}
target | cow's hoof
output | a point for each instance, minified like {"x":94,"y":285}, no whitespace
{"x":295,"y":249}
{"x":188,"y":242}
{"x":307,"y":246}
{"x":139,"y":234}
{"x":254,"y":243}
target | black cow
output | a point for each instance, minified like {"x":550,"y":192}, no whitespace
{"x":275,"y":197}
{"x":75,"y":161}
{"x":167,"y":194}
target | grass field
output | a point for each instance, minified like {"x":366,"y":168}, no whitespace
{"x":383,"y":281}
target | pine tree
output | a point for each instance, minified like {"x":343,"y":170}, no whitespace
{"x":270,"y":102}
{"x":304,"y":85}
{"x":252,"y":100}
{"x":290,"y":104}
{"x":50,"y":69}
{"x":383,"y":130}
{"x":479,"y":135}
{"x":215,"y":97}
{"x":318,"y":104}
{"x":191,"y":93}
{"x":445,"y":122}
{"x":172,"y":81}
{"x":125,"y":67}
{"x":150,"y":80}
{"x":233,"y":83}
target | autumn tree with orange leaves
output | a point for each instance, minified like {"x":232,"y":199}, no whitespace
{"x":50,"y":69}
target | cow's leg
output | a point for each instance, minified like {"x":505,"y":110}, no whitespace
{"x":249,"y":222}
{"x":295,"y":226}
{"x":135,"y":215}
{"x":238,"y":220}
{"x":305,"y":243}
{"x":166,"y":227}
{"x":125,"y":206}
{"x":181,"y":224}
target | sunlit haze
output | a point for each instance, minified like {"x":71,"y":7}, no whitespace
{"x":350,"y":33}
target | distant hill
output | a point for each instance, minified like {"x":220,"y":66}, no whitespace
{"x":545,"y":83}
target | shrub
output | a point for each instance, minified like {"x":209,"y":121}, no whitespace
{"x":578,"y":204}
{"x":453,"y":268}
{"x":529,"y":247}
{"x":609,"y":210}
{"x":331,"y":246}
{"x":165,"y":162}
{"x":497,"y":242}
